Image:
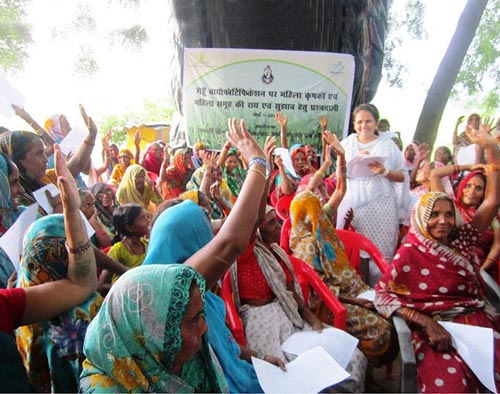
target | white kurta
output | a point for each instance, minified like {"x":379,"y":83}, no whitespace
{"x":379,"y":204}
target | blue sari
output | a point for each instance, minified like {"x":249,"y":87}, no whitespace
{"x":178,"y":233}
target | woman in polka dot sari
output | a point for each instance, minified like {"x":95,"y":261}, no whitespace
{"x":435,"y":276}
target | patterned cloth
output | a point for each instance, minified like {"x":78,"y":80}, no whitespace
{"x":178,"y":233}
{"x":195,"y":183}
{"x":7,"y":218}
{"x":127,"y":193}
{"x":104,"y":215}
{"x":236,"y":178}
{"x":378,"y":205}
{"x":313,"y":239}
{"x":52,"y":351}
{"x":442,"y":282}
{"x":177,"y":176}
{"x":467,"y":212}
{"x":133,"y":341}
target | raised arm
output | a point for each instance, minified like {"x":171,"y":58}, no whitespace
{"x":45,"y":301}
{"x":164,"y":165}
{"x":437,"y":174}
{"x":216,"y":257}
{"x":341,"y":172}
{"x":282,"y":120}
{"x":137,"y":144}
{"x":489,"y":207}
{"x":47,"y":139}
{"x":223,"y":153}
{"x":80,"y":159}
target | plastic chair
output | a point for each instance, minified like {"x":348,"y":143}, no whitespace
{"x":285,"y":235}
{"x":306,"y":277}
{"x":354,"y":243}
{"x":282,"y":207}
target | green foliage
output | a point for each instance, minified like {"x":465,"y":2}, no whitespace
{"x":15,"y":35}
{"x":481,"y":66}
{"x":402,"y":27}
{"x":133,"y":37}
{"x":150,"y":112}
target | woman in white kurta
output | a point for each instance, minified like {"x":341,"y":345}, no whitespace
{"x":378,"y":206}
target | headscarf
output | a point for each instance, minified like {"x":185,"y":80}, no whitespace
{"x":193,"y":195}
{"x":53,"y":126}
{"x":132,"y":343}
{"x":197,"y":161}
{"x":7,"y":218}
{"x":151,"y":163}
{"x":428,"y":275}
{"x":313,"y":239}
{"x":104,"y":215}
{"x":52,"y":350}
{"x":410,"y":165}
{"x":177,"y":234}
{"x":296,"y":149}
{"x":127,"y":192}
{"x":119,"y":169}
{"x":16,"y":144}
{"x":236,"y":178}
{"x":176,"y":176}
{"x":466,"y":211}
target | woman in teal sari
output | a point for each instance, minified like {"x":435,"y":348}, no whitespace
{"x":168,"y":245}
{"x":52,"y":350}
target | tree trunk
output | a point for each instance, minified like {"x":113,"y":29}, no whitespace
{"x":446,"y":75}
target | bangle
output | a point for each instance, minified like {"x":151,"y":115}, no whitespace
{"x":88,"y":143}
{"x":385,"y":173}
{"x":320,"y":172}
{"x":258,"y":172}
{"x":456,"y":169}
{"x":79,"y":249}
{"x":262,"y":161}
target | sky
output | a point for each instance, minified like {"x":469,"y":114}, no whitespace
{"x":126,"y":78}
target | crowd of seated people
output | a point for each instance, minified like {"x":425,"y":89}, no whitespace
{"x":135,"y":305}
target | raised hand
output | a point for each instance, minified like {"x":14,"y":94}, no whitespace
{"x":269,"y":147}
{"x":137,"y":138}
{"x":323,"y":122}
{"x":482,"y":137}
{"x":334,"y":142}
{"x":281,"y":119}
{"x":65,"y":182}
{"x":240,"y":138}
{"x":349,"y":216}
{"x":328,"y":156}
{"x":460,"y":120}
{"x":92,"y":128}
{"x":278,"y":161}
{"x":424,"y":152}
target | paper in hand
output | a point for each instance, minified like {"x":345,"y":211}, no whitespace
{"x":358,"y":167}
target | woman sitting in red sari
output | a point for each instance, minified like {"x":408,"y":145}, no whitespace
{"x":435,"y":276}
{"x":469,"y":196}
{"x":173,"y":180}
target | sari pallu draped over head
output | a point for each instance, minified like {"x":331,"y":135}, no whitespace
{"x":176,"y":177}
{"x":52,"y":350}
{"x":105,"y":216}
{"x":441,"y":282}
{"x":313,"y":239}
{"x":429,"y":276}
{"x":151,"y":163}
{"x":169,"y":245}
{"x":16,"y":144}
{"x":133,"y":341}
{"x":127,"y":192}
{"x":467,"y":212}
{"x":7,"y":218}
{"x":236,"y":178}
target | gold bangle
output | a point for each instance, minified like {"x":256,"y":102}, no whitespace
{"x":320,"y":172}
{"x":253,"y":169}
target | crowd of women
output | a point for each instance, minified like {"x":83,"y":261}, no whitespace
{"x":137,"y":308}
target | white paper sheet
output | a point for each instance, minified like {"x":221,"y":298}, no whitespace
{"x":9,"y":95}
{"x":339,"y":344}
{"x":12,"y":241}
{"x":42,"y":199}
{"x":73,"y":140}
{"x":358,"y":166}
{"x":475,"y":345}
{"x":310,"y":372}
{"x":367,"y":295}
{"x":467,"y":155}
{"x":287,"y":160}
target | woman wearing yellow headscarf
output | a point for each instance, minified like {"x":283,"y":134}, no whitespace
{"x":136,"y":188}
{"x":125,"y":159}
